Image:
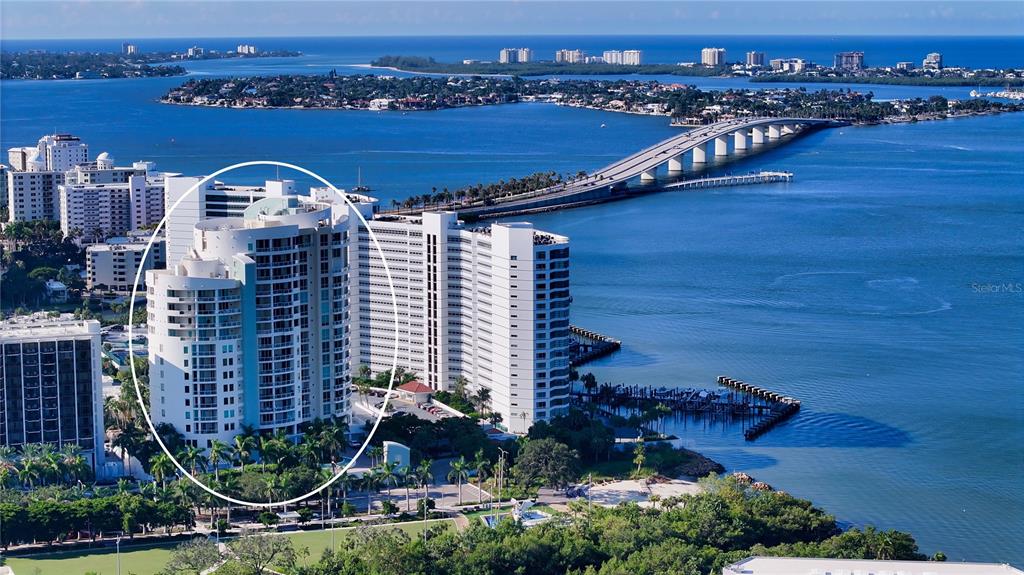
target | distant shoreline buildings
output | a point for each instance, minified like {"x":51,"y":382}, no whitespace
{"x":712,"y":56}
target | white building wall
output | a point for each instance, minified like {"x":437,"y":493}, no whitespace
{"x":112,"y":266}
{"x":472,"y":304}
{"x":284,"y":264}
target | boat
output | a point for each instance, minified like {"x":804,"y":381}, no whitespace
{"x":360,"y":188}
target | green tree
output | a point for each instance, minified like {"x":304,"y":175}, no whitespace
{"x":546,"y":462}
{"x":258,"y":554}
{"x":193,"y":556}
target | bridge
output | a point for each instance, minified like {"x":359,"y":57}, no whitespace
{"x":745,"y":134}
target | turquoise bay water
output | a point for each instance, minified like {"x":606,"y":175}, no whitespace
{"x":877,"y":287}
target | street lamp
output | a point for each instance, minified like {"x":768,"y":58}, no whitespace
{"x":118,"y":544}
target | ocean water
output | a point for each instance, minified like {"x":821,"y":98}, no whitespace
{"x":879,"y":287}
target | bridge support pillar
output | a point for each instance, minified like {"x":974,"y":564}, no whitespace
{"x":675,"y":164}
{"x":757,"y":135}
{"x":740,"y":139}
{"x":649,"y":175}
{"x":721,"y":146}
{"x":700,"y":154}
{"x":788,"y":129}
{"x":774,"y":132}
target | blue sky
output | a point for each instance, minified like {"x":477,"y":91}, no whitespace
{"x":21,"y":19}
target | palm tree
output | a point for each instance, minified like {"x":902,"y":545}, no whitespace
{"x":310,"y":453}
{"x":72,"y":462}
{"x":228,"y":485}
{"x":345,"y":482}
{"x":370,"y":483}
{"x":241,"y":450}
{"x":481,"y":465}
{"x":388,"y":474}
{"x":129,"y":440}
{"x":407,"y":478}
{"x":161,"y":467}
{"x":332,"y":438}
{"x":218,"y":451}
{"x":458,"y":472}
{"x":267,"y":449}
{"x":192,"y":457}
{"x":271,"y":486}
{"x":8,"y":464}
{"x":459,"y":386}
{"x":481,"y":398}
{"x":425,"y":476}
{"x":376,"y":453}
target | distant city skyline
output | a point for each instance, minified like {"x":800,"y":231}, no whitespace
{"x":273,"y":18}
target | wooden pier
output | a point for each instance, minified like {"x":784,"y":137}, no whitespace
{"x":743,"y":401}
{"x":783,"y":407}
{"x":589,"y":345}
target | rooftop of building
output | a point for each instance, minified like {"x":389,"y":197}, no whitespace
{"x":42,"y":325}
{"x":415,"y":386}
{"x":123,"y":244}
{"x":815,"y":566}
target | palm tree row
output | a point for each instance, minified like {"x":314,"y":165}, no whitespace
{"x":483,"y":192}
{"x":322,"y":443}
{"x":39,"y":464}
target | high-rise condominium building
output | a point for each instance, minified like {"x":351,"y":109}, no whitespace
{"x":712,"y":56}
{"x":932,"y":61}
{"x":99,"y":200}
{"x":632,"y":57}
{"x":50,"y":383}
{"x":515,"y":55}
{"x":490,"y":304}
{"x":851,"y":61}
{"x":250,"y":326}
{"x":35,"y":172}
{"x":612,"y":56}
{"x":211,"y":200}
{"x":570,"y":56}
{"x":113,"y":265}
{"x":63,"y":151}
{"x":755,"y":59}
{"x":246,"y":49}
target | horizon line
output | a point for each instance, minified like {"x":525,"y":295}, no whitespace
{"x":736,"y":35}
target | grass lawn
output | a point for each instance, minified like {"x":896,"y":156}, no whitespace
{"x":143,"y":560}
{"x":149,"y":560}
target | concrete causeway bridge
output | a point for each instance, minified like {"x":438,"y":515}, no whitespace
{"x":720,"y":139}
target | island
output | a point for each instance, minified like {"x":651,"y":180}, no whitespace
{"x":43,"y":65}
{"x":803,"y":72}
{"x":685,"y":105}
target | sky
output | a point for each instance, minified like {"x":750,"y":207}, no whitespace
{"x":44,"y":19}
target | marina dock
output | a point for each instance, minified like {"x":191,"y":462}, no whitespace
{"x":586,"y":345}
{"x":764,"y":409}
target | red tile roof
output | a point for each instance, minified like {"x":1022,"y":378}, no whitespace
{"x":415,"y":386}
